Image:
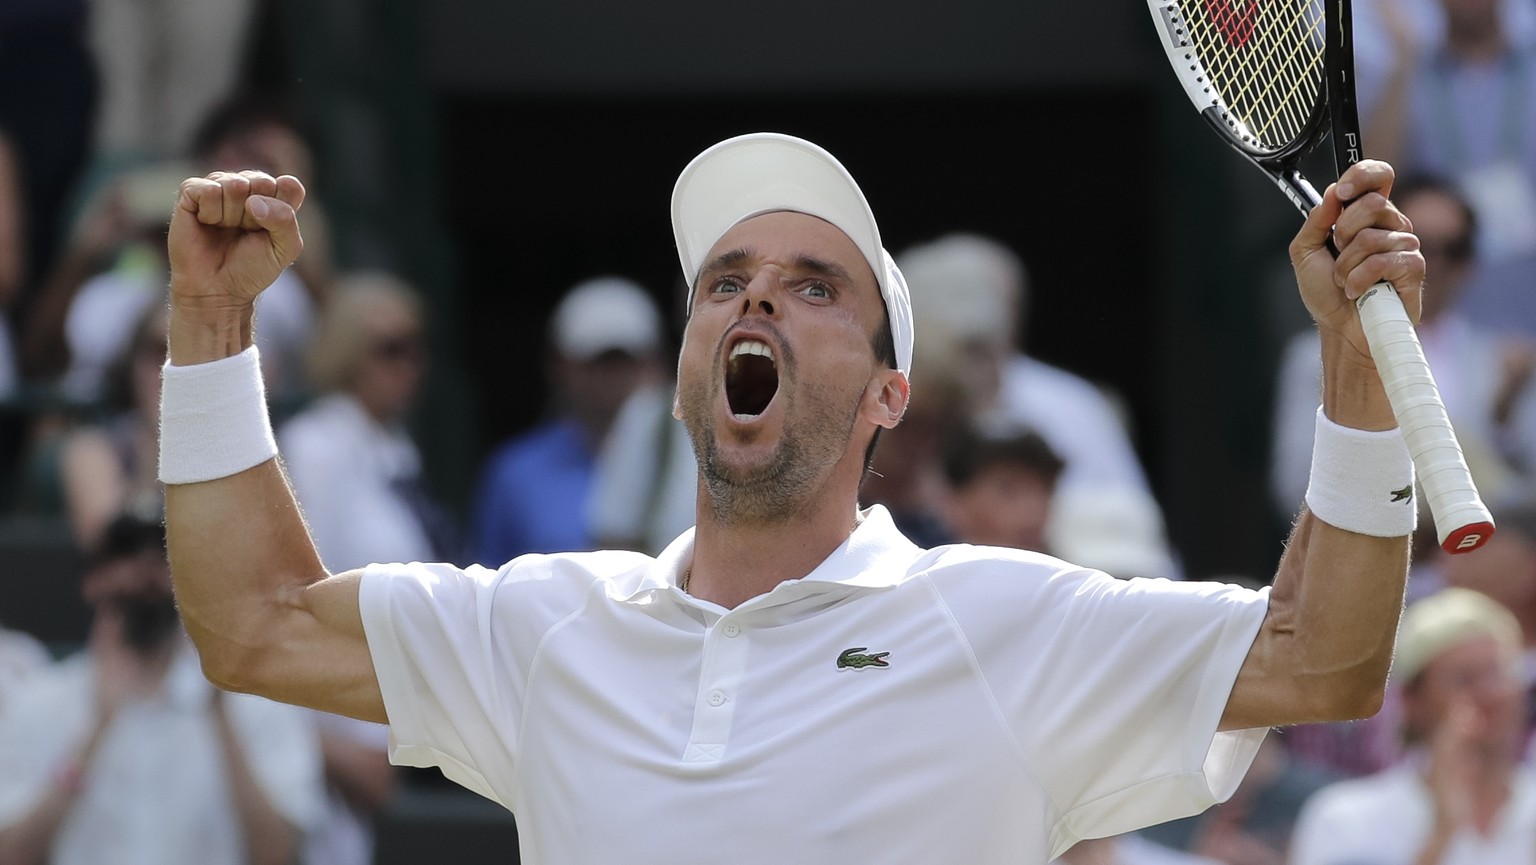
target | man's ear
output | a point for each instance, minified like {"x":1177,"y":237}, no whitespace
{"x":885,"y":399}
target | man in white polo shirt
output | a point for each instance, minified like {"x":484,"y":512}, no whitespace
{"x":792,"y":680}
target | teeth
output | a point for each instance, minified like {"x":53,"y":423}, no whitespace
{"x":751,"y":346}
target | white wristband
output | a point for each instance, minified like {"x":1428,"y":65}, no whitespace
{"x":1362,"y":480}
{"x":213,"y":419}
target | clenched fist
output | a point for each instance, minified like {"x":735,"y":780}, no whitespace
{"x":231,"y":235}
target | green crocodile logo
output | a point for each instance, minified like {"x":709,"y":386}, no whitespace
{"x":1403,"y":494}
{"x":855,"y":659}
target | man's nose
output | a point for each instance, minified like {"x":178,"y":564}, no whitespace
{"x":759,"y":292}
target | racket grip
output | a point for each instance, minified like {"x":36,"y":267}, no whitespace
{"x":1462,"y":521}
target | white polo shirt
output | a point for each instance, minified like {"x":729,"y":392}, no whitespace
{"x":962,"y":704}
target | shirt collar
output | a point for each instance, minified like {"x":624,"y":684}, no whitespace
{"x":875,"y":555}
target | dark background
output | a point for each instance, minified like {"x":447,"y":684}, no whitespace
{"x":531,"y":145}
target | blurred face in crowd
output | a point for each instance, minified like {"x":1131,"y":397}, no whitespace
{"x":777,"y":361}
{"x":138,"y":587}
{"x":1481,"y":673}
{"x":1004,"y":504}
{"x":389,"y":371}
{"x":1445,"y":239}
{"x":594,"y":389}
{"x":273,"y":147}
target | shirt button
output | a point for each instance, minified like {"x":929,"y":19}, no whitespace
{"x":716,"y":698}
{"x":732,"y":629}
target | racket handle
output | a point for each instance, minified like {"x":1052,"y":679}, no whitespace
{"x":1462,"y":522}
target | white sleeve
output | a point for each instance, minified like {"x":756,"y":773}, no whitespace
{"x":1114,"y":690}
{"x":283,"y":750}
{"x":451,"y":693}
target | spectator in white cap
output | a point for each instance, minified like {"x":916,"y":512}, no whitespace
{"x":793,"y":679}
{"x":604,"y":342}
{"x":1461,"y":796}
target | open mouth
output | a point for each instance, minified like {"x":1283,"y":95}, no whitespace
{"x":751,"y":379}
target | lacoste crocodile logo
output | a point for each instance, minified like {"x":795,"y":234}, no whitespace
{"x":855,"y":659}
{"x":1403,"y":494}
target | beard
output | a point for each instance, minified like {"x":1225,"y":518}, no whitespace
{"x":819,"y":421}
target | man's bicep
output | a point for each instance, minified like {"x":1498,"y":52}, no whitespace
{"x":322,"y":658}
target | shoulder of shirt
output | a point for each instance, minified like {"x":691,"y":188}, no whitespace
{"x":622,"y":570}
{"x":957,"y":566}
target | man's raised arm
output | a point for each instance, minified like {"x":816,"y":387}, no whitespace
{"x":266,"y":617}
{"x":1326,"y":643}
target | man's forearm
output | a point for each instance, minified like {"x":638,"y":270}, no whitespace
{"x":1325,"y":647}
{"x":237,"y":544}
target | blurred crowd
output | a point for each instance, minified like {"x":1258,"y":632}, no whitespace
{"x":116,"y":743}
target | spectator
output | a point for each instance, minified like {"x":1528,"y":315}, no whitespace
{"x":535,"y":491}
{"x":907,"y":475}
{"x":163,"y":66}
{"x":110,"y":466}
{"x":645,"y":482}
{"x":125,"y":753}
{"x":1460,"y":100}
{"x":977,"y":288}
{"x":353,"y":465}
{"x":1505,"y":570}
{"x":111,"y":269}
{"x":1461,"y":796}
{"x":114,"y":264}
{"x":357,"y":475}
{"x":1000,"y":486}
{"x":1485,"y":381}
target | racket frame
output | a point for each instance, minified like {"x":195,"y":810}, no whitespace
{"x":1462,"y":521}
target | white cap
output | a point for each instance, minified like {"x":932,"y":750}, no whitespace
{"x":763,"y":172}
{"x":608,"y":313}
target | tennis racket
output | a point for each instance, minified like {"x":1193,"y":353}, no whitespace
{"x":1273,"y":78}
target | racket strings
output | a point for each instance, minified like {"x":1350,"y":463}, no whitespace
{"x":1265,"y":60}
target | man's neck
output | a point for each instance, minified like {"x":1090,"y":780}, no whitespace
{"x":733,"y":563}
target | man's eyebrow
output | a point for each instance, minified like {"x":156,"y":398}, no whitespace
{"x":824,"y":268}
{"x":726,"y":261}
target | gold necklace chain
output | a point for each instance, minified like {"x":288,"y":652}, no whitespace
{"x":687,"y":576}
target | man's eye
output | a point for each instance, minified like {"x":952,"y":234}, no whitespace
{"x":726,"y":285}
{"x":818,"y":289}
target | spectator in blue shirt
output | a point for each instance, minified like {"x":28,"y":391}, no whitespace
{"x":605,"y":339}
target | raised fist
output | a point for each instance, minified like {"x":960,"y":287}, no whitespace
{"x":231,"y":235}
